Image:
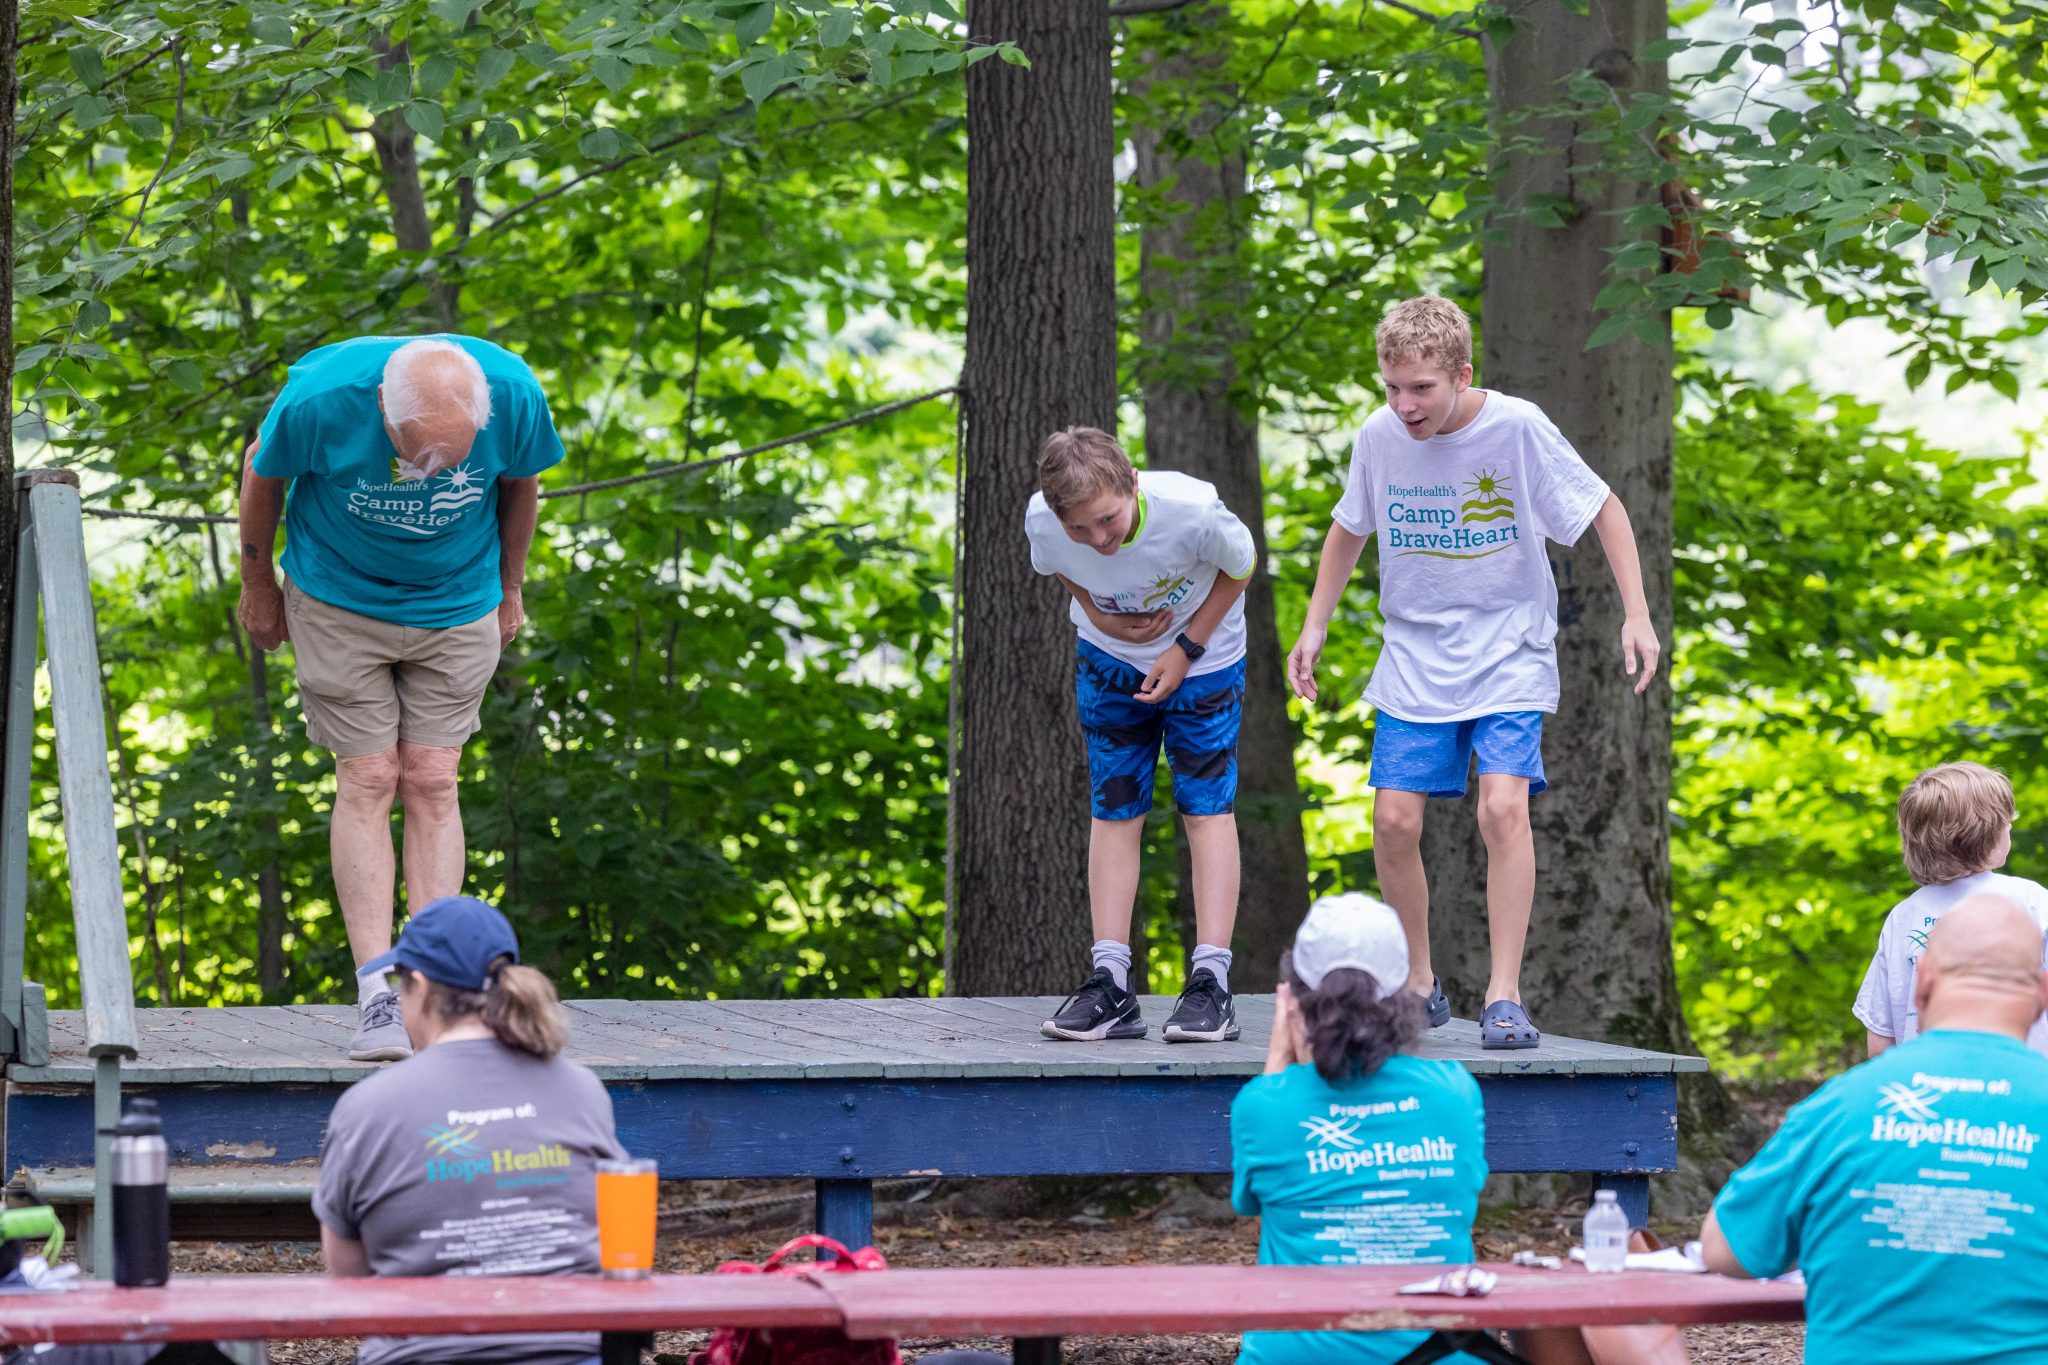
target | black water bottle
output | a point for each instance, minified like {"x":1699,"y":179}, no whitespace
{"x":142,"y":1196}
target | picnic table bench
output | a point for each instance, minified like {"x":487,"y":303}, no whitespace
{"x":1035,"y":1306}
{"x":841,"y":1092}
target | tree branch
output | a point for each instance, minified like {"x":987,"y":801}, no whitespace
{"x":144,"y":60}
{"x":1428,"y":18}
{"x":170,"y":149}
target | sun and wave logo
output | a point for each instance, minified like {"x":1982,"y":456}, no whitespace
{"x":461,"y":489}
{"x":1490,"y":501}
{"x":1469,"y":532}
{"x":449,"y":494}
{"x":1167,"y":590}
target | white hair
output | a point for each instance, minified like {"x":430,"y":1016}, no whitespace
{"x":404,"y":400}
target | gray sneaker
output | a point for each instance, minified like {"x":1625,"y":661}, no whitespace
{"x":380,"y":1036}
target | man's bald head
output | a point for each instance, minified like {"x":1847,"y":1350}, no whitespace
{"x":1982,"y":969}
{"x":435,"y":400}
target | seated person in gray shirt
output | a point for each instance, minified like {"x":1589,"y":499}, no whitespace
{"x":476,"y":1155}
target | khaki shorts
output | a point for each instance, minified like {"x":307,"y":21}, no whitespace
{"x":365,"y":684}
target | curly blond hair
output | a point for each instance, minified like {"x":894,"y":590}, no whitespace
{"x":1431,"y":329}
{"x":1950,"y":821}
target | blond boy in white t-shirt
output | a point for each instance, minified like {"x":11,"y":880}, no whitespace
{"x":1463,"y":486}
{"x":1955,"y":825}
{"x":1157,"y":568}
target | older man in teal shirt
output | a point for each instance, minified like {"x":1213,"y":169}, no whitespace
{"x":1910,"y":1190}
{"x":406,"y":472}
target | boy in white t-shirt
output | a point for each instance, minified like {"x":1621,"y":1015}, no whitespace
{"x":1955,"y":824}
{"x":1462,"y":487}
{"x":1157,"y":567}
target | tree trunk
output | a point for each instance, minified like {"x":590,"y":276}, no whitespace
{"x":1199,"y":421}
{"x":1041,"y":355}
{"x":1599,"y":957}
{"x":398,"y":157}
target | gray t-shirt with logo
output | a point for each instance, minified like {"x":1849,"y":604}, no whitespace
{"x":470,"y":1158}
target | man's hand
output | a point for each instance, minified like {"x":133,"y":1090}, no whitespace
{"x":511,"y":616}
{"x":261,"y":612}
{"x":1166,"y":676}
{"x":1134,"y":627}
{"x":1639,"y":641}
{"x":1301,"y":662}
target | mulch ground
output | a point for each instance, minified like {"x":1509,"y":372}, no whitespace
{"x":1007,"y":1222}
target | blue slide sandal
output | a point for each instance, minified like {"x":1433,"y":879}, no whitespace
{"x":1438,"y":1004}
{"x":1506,"y":1025}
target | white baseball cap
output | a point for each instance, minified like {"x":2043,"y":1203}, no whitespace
{"x":1352,"y":930}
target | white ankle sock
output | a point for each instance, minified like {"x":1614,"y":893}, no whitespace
{"x":1215,"y":959}
{"x":370,"y":985}
{"x":1107,"y":952}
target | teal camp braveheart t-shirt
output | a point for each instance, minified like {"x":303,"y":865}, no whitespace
{"x":1380,"y":1170}
{"x":414,"y":552}
{"x":1911,"y":1191}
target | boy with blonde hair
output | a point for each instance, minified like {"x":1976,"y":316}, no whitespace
{"x":1955,"y":825}
{"x":1462,"y":486}
{"x":1157,"y":568}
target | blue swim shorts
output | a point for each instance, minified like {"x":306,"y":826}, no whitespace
{"x":1435,"y":756}
{"x":1197,"y":724}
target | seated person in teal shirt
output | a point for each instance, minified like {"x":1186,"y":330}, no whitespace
{"x":1353,"y":1152}
{"x":406,"y":472}
{"x":1910,"y":1190}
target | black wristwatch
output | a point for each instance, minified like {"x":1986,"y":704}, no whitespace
{"x":1189,"y":647}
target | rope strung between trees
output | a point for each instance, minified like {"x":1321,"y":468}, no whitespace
{"x":670,"y":470}
{"x":577,"y":490}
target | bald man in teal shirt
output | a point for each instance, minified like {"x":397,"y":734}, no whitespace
{"x":406,"y":473}
{"x":1910,"y":1189}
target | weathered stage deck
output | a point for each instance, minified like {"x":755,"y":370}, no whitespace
{"x":840,"y":1091}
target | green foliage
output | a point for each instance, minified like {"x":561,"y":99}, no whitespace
{"x":716,"y":762}
{"x":1854,"y":605}
{"x":1867,"y":159}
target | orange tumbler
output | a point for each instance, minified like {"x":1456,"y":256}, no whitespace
{"x":626,"y":1191}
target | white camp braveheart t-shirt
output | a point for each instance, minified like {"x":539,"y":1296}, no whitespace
{"x":1183,"y":537}
{"x":1885,"y":1004}
{"x":1465,"y":585}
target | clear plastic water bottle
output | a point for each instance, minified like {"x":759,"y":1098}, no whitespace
{"x":1606,"y":1233}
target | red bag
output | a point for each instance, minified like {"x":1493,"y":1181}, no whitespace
{"x":799,"y":1345}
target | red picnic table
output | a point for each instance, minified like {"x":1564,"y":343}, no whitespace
{"x":1035,"y":1305}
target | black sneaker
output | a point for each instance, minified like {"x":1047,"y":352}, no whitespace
{"x":1204,"y":1013}
{"x":1100,"y":1009}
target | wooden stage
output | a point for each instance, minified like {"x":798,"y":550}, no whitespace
{"x":842,"y":1092}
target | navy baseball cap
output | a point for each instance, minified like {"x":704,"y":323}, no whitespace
{"x":452,"y":940}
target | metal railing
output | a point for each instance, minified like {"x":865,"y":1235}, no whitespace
{"x":52,"y":586}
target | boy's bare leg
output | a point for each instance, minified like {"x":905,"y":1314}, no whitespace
{"x":1114,"y":847}
{"x":1397,"y":856}
{"x":1212,"y":858}
{"x":1510,"y":878}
